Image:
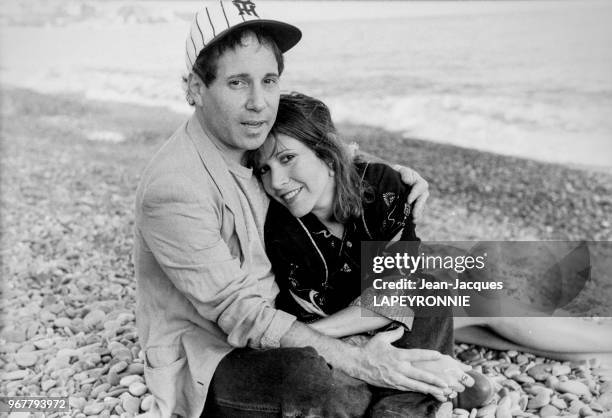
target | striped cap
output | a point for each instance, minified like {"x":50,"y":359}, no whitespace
{"x":216,"y":19}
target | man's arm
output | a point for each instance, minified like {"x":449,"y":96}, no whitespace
{"x":182,"y":228}
{"x":420,"y":188}
{"x":377,"y":363}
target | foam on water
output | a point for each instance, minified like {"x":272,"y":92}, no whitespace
{"x":532,"y":79}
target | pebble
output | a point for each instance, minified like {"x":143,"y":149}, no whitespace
{"x":128,"y":380}
{"x":558,"y":403}
{"x":523,"y":378}
{"x":539,"y":372}
{"x":43,"y":344}
{"x":560,"y":369}
{"x":147,"y":402}
{"x":605,"y":400}
{"x":15,"y":375}
{"x":469,"y":356}
{"x":132,"y":405}
{"x":103,"y":387}
{"x":118,"y":367}
{"x":541,"y":399}
{"x":487,"y":410}
{"x":549,"y":411}
{"x":137,"y":389}
{"x":503,"y":408}
{"x":77,"y":402}
{"x":586,"y":411}
{"x":135,"y":368}
{"x":47,"y":384}
{"x":521,"y":359}
{"x":111,"y":402}
{"x":94,"y":318}
{"x":573,"y":386}
{"x":511,"y":371}
{"x":27,"y":359}
{"x":62,"y":322}
{"x":93,"y":408}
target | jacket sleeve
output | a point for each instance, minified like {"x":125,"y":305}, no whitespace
{"x":182,"y":228}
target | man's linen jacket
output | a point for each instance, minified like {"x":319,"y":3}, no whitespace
{"x":195,"y":297}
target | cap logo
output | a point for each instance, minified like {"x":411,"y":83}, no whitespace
{"x":245,"y":7}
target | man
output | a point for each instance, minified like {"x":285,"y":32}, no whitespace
{"x":205,"y":306}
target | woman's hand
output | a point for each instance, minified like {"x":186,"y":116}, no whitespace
{"x":384,"y":365}
{"x":419,"y":192}
{"x":451,"y":370}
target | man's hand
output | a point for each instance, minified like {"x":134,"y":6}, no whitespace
{"x":453,"y":372}
{"x":419,"y":192}
{"x":384,"y":365}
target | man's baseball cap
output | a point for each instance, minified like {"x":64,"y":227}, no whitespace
{"x":216,"y":19}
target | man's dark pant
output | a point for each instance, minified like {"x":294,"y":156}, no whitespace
{"x":297,"y":382}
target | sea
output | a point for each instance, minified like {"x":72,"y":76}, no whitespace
{"x":524,"y":78}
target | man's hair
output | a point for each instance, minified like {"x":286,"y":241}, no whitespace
{"x":309,"y":121}
{"x":206,"y":63}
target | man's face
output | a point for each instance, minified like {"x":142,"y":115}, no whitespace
{"x":239,"y":107}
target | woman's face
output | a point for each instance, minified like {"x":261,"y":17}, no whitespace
{"x":294,"y":176}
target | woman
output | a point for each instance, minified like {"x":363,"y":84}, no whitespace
{"x":323,"y":205}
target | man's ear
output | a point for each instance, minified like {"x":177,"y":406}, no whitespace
{"x":196,"y":87}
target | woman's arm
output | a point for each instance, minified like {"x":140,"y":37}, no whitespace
{"x":349,"y":321}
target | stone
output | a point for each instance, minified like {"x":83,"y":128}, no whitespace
{"x":123,"y":355}
{"x":503,"y":408}
{"x":131,"y":404}
{"x":549,"y":411}
{"x":586,"y":411}
{"x":111,"y":402}
{"x":521,"y":359}
{"x":573,"y":386}
{"x":605,"y":400}
{"x":488,"y":410}
{"x":93,"y":408}
{"x":62,"y":322}
{"x":94,"y":318}
{"x":68,"y":352}
{"x":459,"y":412}
{"x":558,"y":403}
{"x":27,"y":359}
{"x":47,"y":384}
{"x":539,"y":372}
{"x":77,"y":402}
{"x":137,"y":389}
{"x":511,"y":371}
{"x":511,"y":384}
{"x":135,"y":368}
{"x":101,"y":388}
{"x":118,"y":367}
{"x":479,"y":394}
{"x":147,"y":402}
{"x":128,"y":380}
{"x":523,"y":378}
{"x":43,"y":344}
{"x":15,"y":375}
{"x":539,"y":400}
{"x":560,"y":369}
{"x":117,"y":391}
{"x":125,"y":317}
{"x":469,"y":356}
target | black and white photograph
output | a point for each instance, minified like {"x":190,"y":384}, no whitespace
{"x":306,"y":208}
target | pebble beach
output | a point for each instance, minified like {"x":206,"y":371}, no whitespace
{"x":70,"y":167}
